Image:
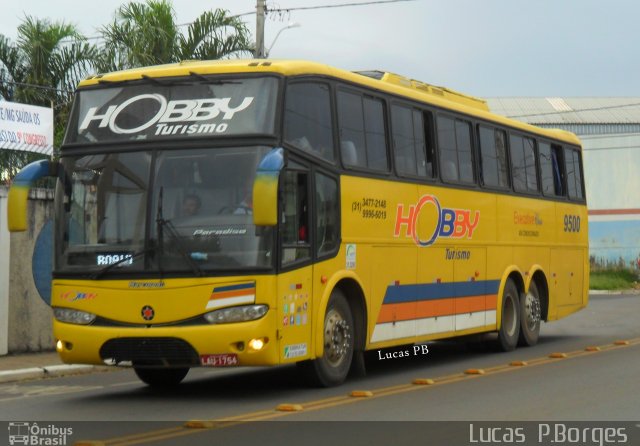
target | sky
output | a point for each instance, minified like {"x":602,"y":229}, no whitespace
{"x":486,"y":48}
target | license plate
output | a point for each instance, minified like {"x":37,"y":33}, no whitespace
{"x":220,"y":360}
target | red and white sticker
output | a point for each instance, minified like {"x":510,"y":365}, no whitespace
{"x":219,"y":360}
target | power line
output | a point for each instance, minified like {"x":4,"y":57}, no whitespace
{"x":341,"y":5}
{"x":35,"y":86}
{"x":295,"y":8}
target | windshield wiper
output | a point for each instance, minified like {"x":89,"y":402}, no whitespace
{"x":161,"y":224}
{"x":211,"y":80}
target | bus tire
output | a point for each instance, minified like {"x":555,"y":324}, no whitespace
{"x":333,"y":366}
{"x":161,"y":377}
{"x":510,"y":319}
{"x":530,"y":313}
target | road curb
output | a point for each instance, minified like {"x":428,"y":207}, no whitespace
{"x":44,"y":372}
{"x":614,"y":292}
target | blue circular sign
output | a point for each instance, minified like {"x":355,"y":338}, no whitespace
{"x":42,"y":262}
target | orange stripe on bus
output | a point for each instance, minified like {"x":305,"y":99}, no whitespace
{"x":435,"y":308}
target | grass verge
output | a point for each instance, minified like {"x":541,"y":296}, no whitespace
{"x":613,"y":279}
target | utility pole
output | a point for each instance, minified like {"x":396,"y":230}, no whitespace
{"x":260,"y":13}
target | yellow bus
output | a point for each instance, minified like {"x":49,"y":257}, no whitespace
{"x":238,"y":213}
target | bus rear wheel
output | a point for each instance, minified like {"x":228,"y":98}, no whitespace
{"x":530,"y":312}
{"x":161,"y":377}
{"x":333,"y":366}
{"x":510,"y":320}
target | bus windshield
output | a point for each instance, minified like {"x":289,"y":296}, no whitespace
{"x":181,"y":210}
{"x":163,"y":108}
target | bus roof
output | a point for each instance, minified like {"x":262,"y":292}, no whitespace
{"x":379,"y":80}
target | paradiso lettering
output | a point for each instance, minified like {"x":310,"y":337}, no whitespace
{"x":176,"y":111}
{"x":441,"y":222}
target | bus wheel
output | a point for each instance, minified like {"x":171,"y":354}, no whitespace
{"x":161,"y":377}
{"x":332,"y":368}
{"x":530,"y":316}
{"x":510,"y":321}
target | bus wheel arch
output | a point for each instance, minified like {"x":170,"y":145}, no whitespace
{"x":345,"y":300}
{"x":541,"y":282}
{"x":336,"y":333}
{"x":356,"y":300}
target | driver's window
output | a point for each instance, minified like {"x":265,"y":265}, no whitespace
{"x":294,"y":218}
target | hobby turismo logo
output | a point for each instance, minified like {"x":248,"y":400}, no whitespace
{"x":168,"y":112}
{"x":427,"y":221}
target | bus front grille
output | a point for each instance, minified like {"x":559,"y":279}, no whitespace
{"x":149,"y":352}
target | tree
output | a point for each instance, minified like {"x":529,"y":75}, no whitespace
{"x":42,"y":68}
{"x":147,"y":34}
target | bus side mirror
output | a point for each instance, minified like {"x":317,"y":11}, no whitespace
{"x":19,"y":191}
{"x":265,"y":188}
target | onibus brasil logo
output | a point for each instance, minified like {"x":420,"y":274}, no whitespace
{"x":32,"y":434}
{"x":427,"y":221}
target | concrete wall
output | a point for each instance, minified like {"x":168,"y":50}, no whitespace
{"x":4,"y":274}
{"x":25,"y":319}
{"x":612,"y":175}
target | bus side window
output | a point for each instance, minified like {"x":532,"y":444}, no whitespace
{"x":574,"y":174}
{"x":493,"y":157}
{"x":429,"y":142}
{"x":363,"y":138}
{"x":412,"y":145}
{"x":307,"y":119}
{"x":327,"y":214}
{"x":551,"y":172}
{"x":294,"y":229}
{"x":454,"y":143}
{"x":523,"y":164}
{"x":558,"y":171}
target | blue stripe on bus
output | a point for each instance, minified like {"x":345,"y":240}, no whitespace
{"x":242,"y":286}
{"x":430,"y":291}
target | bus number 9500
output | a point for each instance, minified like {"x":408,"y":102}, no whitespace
{"x":571,"y":223}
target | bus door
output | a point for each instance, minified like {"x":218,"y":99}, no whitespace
{"x":294,"y":284}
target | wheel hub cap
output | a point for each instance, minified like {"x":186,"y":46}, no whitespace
{"x":337,"y":338}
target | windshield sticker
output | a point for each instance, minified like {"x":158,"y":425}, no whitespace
{"x":444,"y":222}
{"x":110,"y":259}
{"x":138,"y":284}
{"x":224,"y":296}
{"x":171,"y":117}
{"x":73,"y":296}
{"x":351,"y":256}
{"x":295,"y":351}
{"x":215,"y":232}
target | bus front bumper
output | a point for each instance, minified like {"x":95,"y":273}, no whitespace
{"x":217,"y":345}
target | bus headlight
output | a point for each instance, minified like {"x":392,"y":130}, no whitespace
{"x":73,"y":316}
{"x":236,"y":314}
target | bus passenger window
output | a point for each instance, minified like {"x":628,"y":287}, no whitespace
{"x":409,"y":146}
{"x":363,"y":139}
{"x":454,"y":141}
{"x":493,"y":157}
{"x":551,"y":172}
{"x":523,"y":163}
{"x":574,"y":174}
{"x":307,"y":119}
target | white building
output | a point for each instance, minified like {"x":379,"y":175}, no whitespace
{"x":610,"y":132}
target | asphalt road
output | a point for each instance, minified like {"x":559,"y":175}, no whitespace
{"x":237,"y":406}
